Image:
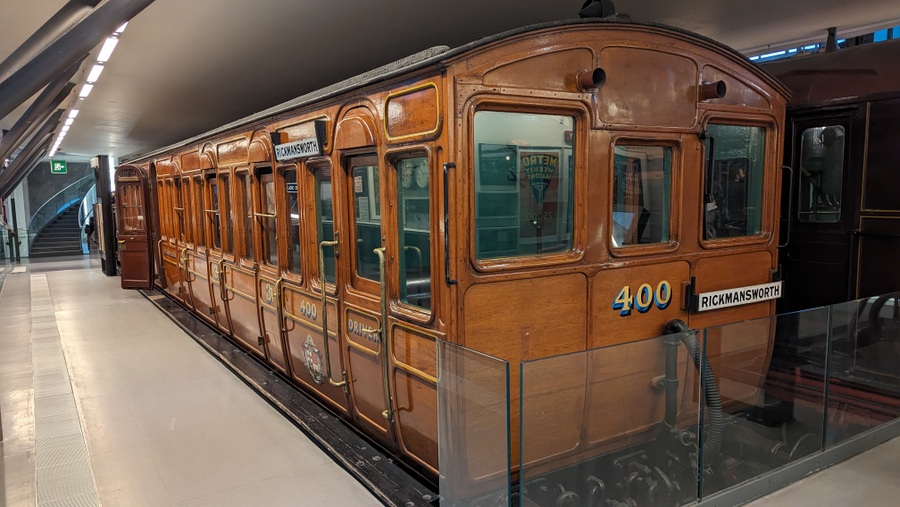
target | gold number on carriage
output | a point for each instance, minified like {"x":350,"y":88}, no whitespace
{"x":643,"y":299}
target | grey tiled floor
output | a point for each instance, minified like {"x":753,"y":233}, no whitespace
{"x":165,"y":424}
{"x":868,"y":479}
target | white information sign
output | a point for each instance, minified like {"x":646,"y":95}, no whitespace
{"x":738,"y":296}
{"x":297,"y":149}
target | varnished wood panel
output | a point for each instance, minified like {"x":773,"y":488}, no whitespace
{"x":413,"y":113}
{"x":635,"y":95}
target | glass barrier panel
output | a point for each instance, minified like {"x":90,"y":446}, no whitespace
{"x":864,"y":369}
{"x":473,"y":427}
{"x":610,"y":426}
{"x":764,"y":395}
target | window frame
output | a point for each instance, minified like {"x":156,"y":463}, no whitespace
{"x":244,"y":210}
{"x":311,"y":167}
{"x":212,"y":210}
{"x":582,"y":118}
{"x":226,"y":207}
{"x":366,"y":158}
{"x":836,"y":121}
{"x":260,"y":214}
{"x":295,"y":273}
{"x":658,"y":140}
{"x":198,"y":216}
{"x":184,"y":185}
{"x":769,"y":178}
{"x":413,"y":313}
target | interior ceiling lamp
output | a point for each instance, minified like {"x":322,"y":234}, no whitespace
{"x":105,"y":52}
{"x":95,"y":73}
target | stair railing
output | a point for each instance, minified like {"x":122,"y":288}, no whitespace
{"x":56,"y":204}
{"x":86,"y":208}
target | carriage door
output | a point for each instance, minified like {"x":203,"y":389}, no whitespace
{"x":362,"y":304}
{"x":817,"y":256}
{"x":133,"y":233}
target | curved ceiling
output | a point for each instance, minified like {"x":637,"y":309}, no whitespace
{"x":183,"y":67}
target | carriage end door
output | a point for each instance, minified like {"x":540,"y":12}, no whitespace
{"x":133,"y":232}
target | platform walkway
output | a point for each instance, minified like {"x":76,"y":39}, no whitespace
{"x":165,"y":424}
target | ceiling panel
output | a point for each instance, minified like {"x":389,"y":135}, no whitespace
{"x":185,"y":67}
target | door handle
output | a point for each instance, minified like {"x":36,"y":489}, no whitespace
{"x":222,"y":293}
{"x":385,"y":336}
{"x":336,"y":245}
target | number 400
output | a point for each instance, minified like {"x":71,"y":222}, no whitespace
{"x":644,"y":298}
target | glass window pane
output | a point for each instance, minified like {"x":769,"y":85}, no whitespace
{"x":132,"y":204}
{"x":198,"y":213}
{"x":213,"y":213}
{"x":642,"y":183}
{"x":184,"y":202}
{"x":228,"y":243}
{"x":325,"y":215}
{"x":270,"y":240}
{"x":178,"y":210}
{"x":248,"y":217}
{"x":821,"y":174}
{"x":293,"y":206}
{"x":367,"y":215}
{"x":734,"y":180}
{"x":166,"y":188}
{"x":415,"y":231}
{"x":524,"y":183}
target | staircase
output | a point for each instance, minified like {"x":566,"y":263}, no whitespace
{"x":61,"y":236}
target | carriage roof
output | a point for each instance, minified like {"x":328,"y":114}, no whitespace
{"x":438,"y":56}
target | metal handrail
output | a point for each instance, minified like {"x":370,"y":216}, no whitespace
{"x":55,"y":204}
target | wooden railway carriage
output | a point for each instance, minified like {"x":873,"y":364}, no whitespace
{"x":547,"y":190}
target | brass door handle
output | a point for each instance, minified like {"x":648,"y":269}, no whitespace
{"x":324,"y":300}
{"x":385,"y":339}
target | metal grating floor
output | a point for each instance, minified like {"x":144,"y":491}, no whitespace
{"x":63,"y":467}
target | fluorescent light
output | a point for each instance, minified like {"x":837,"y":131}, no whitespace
{"x":70,"y":121}
{"x":770,"y":55}
{"x":121,"y":28}
{"x":73,"y":113}
{"x":65,"y":128}
{"x":94,"y":75}
{"x":85,"y":90}
{"x":107,"y":49}
{"x":52,"y":152}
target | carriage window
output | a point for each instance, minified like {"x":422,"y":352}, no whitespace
{"x":227,"y":228}
{"x":132,"y":208}
{"x":247,"y":184}
{"x":161,"y":197}
{"x":293,"y":206}
{"x":178,"y":210}
{"x":200,"y":231}
{"x":734,"y":158}
{"x":414,"y":231}
{"x":164,"y":203}
{"x":524,"y":184}
{"x":212,"y":213}
{"x":184,"y":200}
{"x":325,"y":215}
{"x":821,"y":174}
{"x":267,"y":203}
{"x":642,"y":179}
{"x":367,"y":215}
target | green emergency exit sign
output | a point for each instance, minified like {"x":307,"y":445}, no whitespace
{"x":57,"y":167}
